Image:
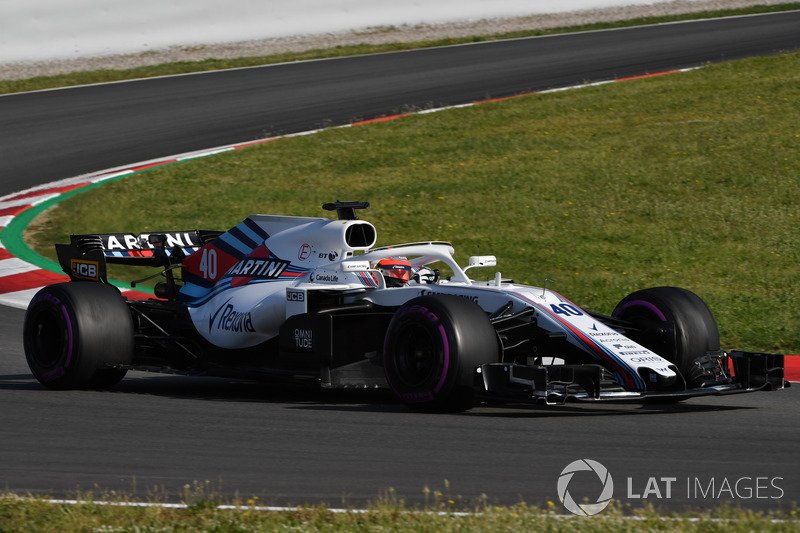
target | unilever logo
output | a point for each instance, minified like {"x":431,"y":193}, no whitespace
{"x":600,"y":502}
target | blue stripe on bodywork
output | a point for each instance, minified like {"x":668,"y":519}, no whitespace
{"x":254,"y":231}
{"x":592,"y":346}
{"x":241,"y":248}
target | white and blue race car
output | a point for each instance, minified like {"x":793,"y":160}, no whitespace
{"x":312,"y":299}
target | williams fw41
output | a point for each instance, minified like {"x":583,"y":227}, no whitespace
{"x":280,"y":297}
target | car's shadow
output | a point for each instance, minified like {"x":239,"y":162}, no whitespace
{"x":19,"y":382}
{"x":583,"y":409}
{"x":215,"y":389}
{"x":310,"y":396}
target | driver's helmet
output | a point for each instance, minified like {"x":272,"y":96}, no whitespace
{"x":396,"y":271}
{"x":424,"y":275}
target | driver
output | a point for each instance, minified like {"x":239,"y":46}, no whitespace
{"x":396,"y":271}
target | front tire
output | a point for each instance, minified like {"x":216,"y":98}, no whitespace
{"x":673,"y":322}
{"x":77,"y":334}
{"x":433,"y":346}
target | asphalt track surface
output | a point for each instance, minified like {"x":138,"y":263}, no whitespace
{"x":291,"y":445}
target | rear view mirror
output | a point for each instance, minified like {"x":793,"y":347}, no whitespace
{"x":481,"y":261}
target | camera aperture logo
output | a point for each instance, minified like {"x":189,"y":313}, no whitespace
{"x":588,"y":481}
{"x":601,"y":501}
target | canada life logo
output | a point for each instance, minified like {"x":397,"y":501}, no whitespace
{"x":592,"y":468}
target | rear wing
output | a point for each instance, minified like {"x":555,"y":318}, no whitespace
{"x":86,"y":256}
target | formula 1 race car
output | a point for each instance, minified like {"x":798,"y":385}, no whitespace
{"x":280,"y":297}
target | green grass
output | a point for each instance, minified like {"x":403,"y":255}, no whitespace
{"x":689,"y":180}
{"x":103,"y":76}
{"x":32,"y":514}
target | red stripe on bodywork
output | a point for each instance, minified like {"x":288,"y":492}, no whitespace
{"x":629,"y":382}
{"x":591,"y":343}
{"x":139,"y":253}
{"x":624,"y":371}
{"x":136,"y":295}
{"x":225,"y":261}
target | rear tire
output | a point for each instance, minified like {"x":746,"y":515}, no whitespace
{"x":77,"y":334}
{"x":673,"y":322}
{"x":432,"y":347}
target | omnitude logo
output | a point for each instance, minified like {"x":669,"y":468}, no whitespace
{"x":601,"y":500}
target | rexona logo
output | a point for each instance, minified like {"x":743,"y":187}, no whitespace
{"x":85,"y":269}
{"x":593,"y":469}
{"x":226,"y":318}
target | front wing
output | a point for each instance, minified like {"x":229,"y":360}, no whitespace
{"x":737,"y":372}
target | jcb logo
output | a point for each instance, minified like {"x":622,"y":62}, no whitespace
{"x":85,"y":269}
{"x":295,"y":296}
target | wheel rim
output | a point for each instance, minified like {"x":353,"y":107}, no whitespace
{"x":641,"y":309}
{"x":417,"y":356}
{"x":48,"y":337}
{"x":660,"y":329}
